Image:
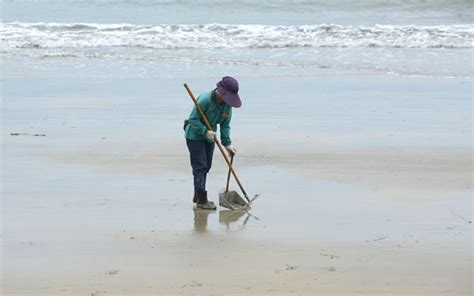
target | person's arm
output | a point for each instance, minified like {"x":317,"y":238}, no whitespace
{"x":225,"y":130}
{"x":195,"y":117}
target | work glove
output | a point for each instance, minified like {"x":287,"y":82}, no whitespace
{"x":231,"y":149}
{"x":211,"y":135}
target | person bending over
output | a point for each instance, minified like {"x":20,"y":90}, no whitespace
{"x":217,"y":104}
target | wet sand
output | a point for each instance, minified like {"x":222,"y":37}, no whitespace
{"x":101,"y":204}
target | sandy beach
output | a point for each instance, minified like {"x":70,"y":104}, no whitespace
{"x":350,"y":203}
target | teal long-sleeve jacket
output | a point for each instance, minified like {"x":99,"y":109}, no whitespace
{"x":216,"y":114}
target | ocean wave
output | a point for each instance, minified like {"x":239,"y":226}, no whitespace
{"x":208,"y":36}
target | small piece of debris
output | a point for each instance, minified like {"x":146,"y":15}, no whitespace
{"x":330,"y":256}
{"x":132,"y":237}
{"x":377,"y":238}
{"x":291,"y":267}
{"x":193,"y":285}
{"x":39,"y":135}
{"x":18,"y":134}
{"x":112,"y":272}
{"x":331,"y":269}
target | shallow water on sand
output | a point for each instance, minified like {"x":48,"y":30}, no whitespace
{"x":77,"y":202}
{"x":116,"y":202}
{"x":114,"y":153}
{"x":142,"y":226}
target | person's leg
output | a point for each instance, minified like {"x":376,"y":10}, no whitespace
{"x":209,"y":154}
{"x":197,"y":154}
{"x":199,"y":162}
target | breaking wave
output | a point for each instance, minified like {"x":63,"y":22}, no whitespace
{"x":17,"y":35}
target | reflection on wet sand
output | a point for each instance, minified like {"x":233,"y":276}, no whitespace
{"x":226,"y":217}
{"x":200,"y":219}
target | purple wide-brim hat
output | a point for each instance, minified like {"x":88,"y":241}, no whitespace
{"x":228,"y":88}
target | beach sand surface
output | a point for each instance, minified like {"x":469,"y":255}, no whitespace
{"x":364,"y":184}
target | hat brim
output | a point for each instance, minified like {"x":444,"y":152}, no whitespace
{"x":231,"y":99}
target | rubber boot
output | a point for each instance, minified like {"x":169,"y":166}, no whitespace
{"x":195,"y":198}
{"x":202,"y":202}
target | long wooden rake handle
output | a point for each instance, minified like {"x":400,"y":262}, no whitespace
{"x":228,"y":174}
{"x":204,"y":117}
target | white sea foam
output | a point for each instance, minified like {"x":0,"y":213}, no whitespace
{"x":17,"y":35}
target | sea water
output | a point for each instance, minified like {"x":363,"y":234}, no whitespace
{"x":421,"y":38}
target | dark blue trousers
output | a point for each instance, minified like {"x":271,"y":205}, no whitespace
{"x":200,"y":153}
